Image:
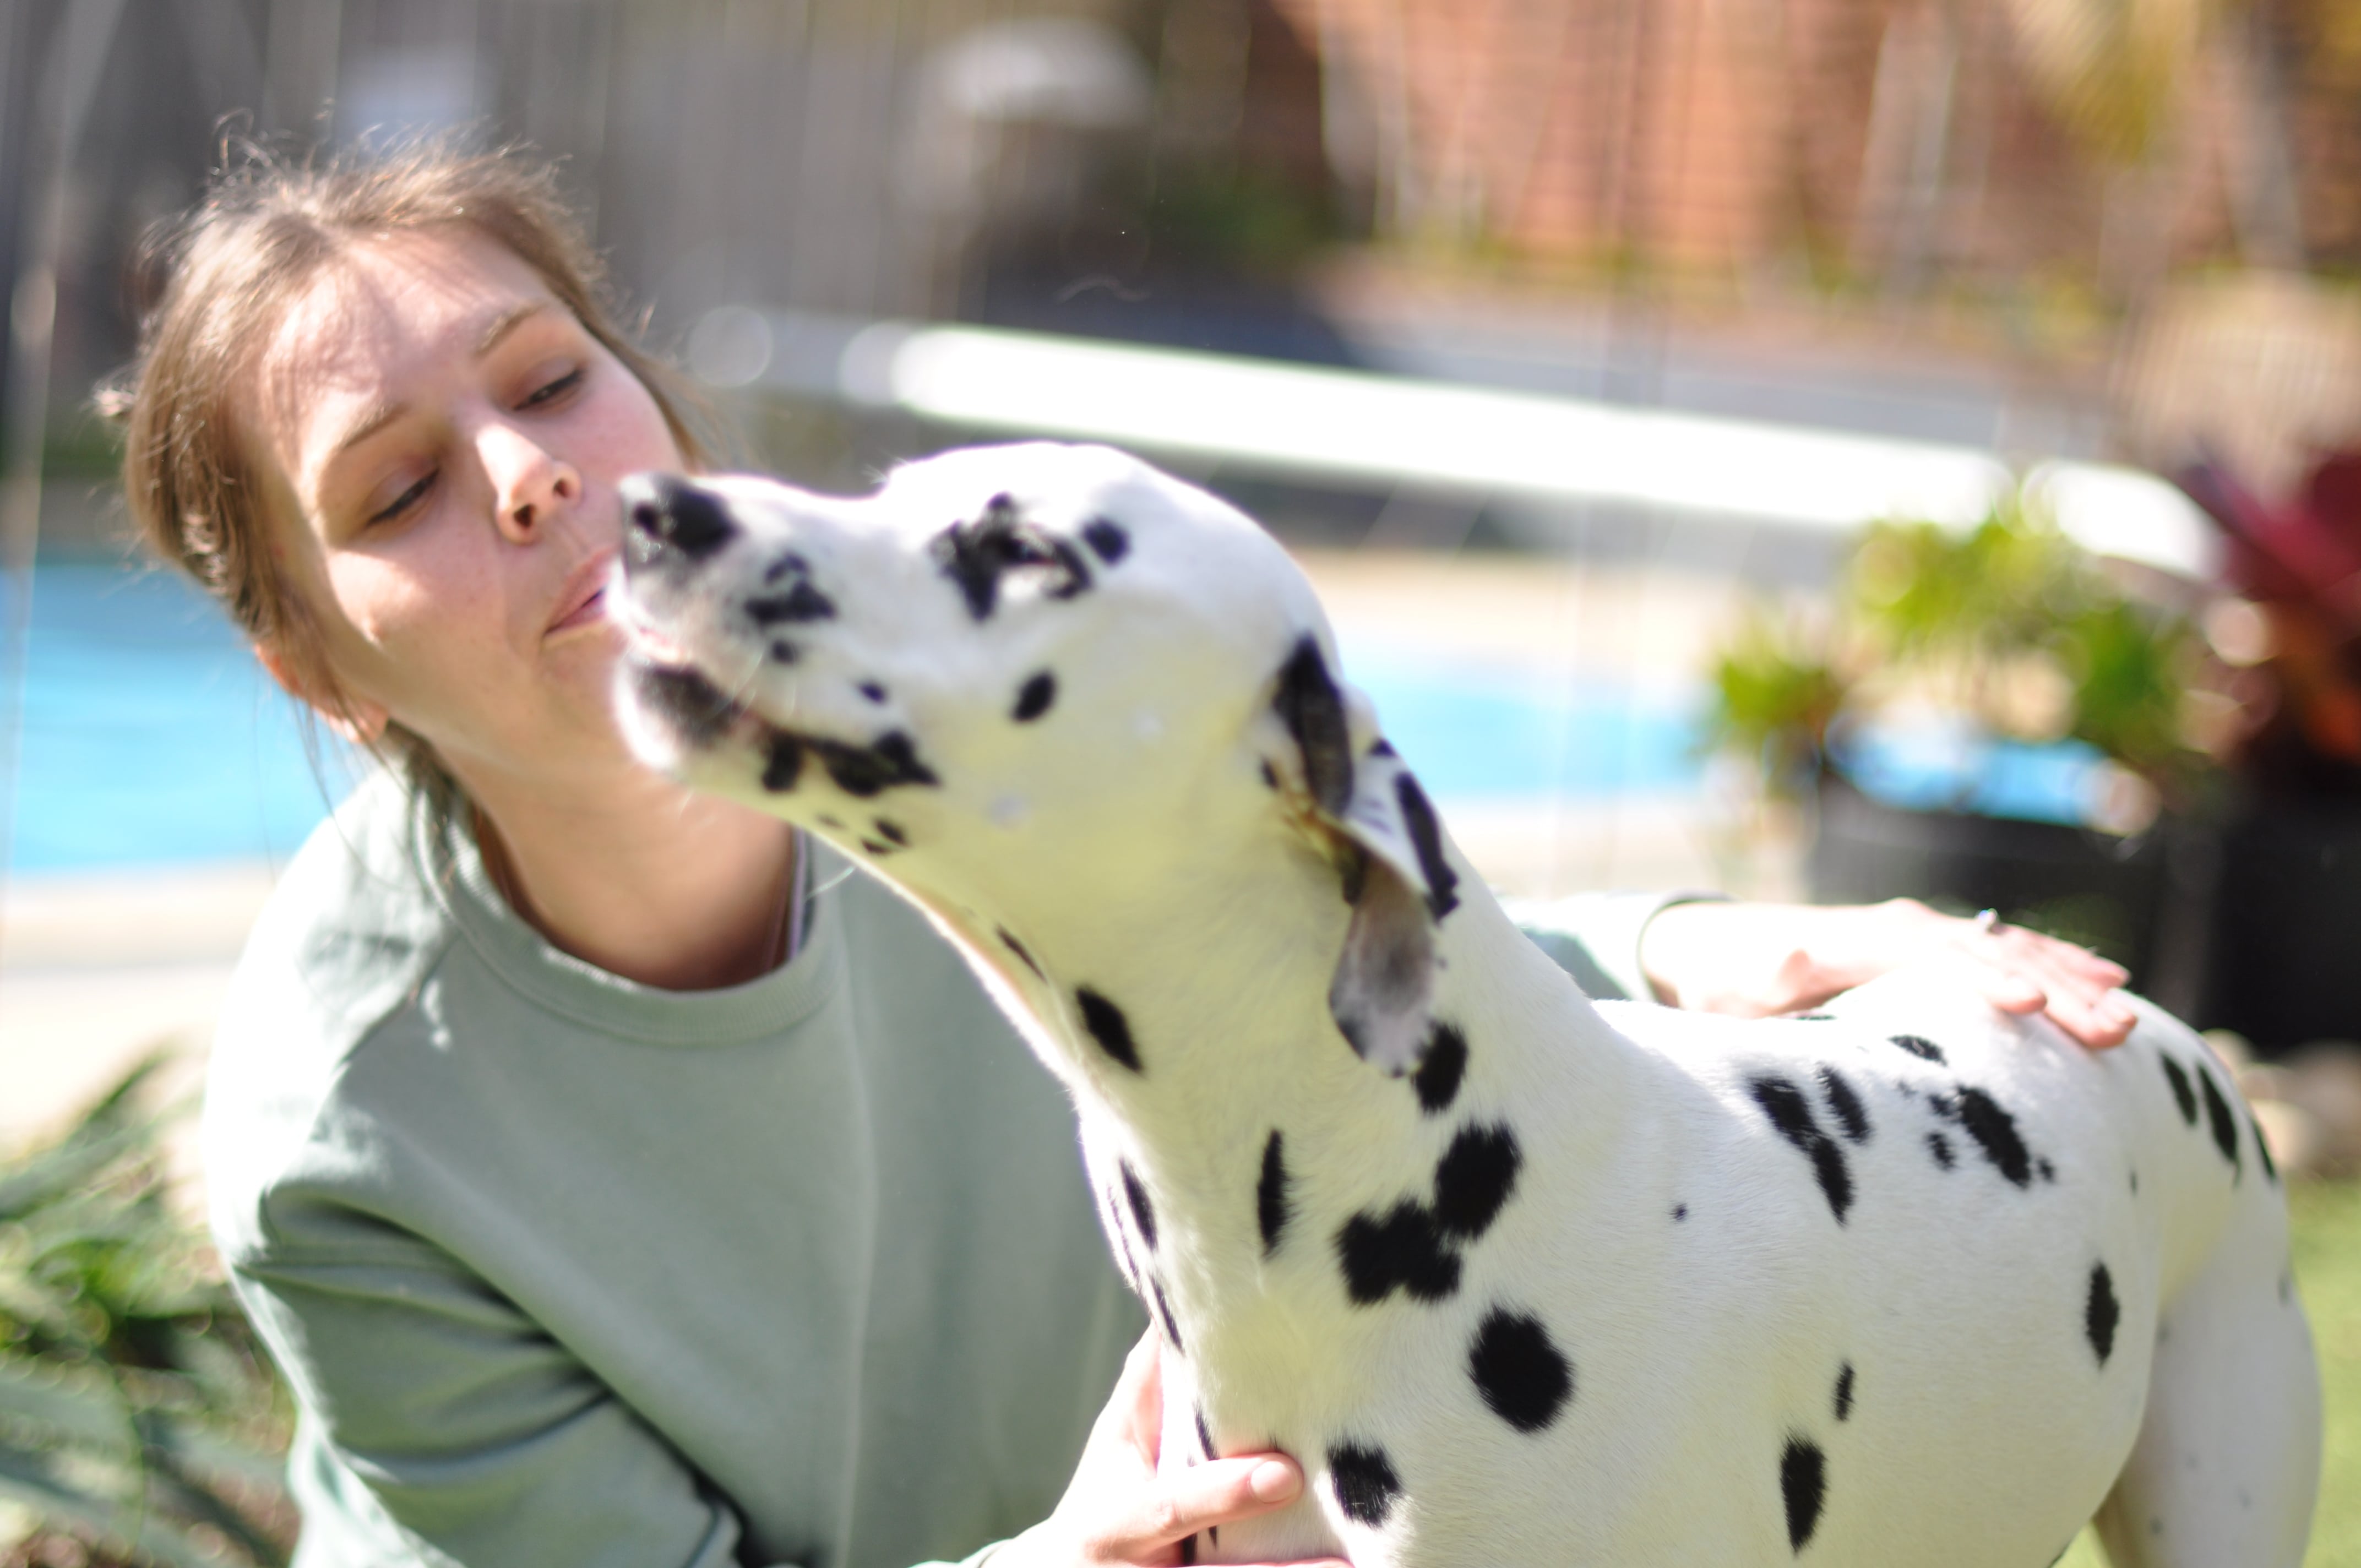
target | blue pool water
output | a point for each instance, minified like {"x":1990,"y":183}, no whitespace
{"x":150,"y":735}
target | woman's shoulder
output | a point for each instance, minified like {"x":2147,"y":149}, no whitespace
{"x":342,"y":944}
{"x":351,"y":920}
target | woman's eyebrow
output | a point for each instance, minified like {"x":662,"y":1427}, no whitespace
{"x":507,"y":321}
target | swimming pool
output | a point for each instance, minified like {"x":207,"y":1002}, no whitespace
{"x":151,"y":737}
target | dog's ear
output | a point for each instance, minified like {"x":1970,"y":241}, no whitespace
{"x":1388,"y":850}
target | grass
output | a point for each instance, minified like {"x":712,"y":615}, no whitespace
{"x":2328,"y":1271}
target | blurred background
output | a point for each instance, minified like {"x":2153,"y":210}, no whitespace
{"x":1818,"y":448}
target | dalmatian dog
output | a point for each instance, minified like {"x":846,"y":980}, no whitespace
{"x":1520,"y":1278}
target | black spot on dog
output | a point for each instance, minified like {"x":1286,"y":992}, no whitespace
{"x":2100,"y":1313}
{"x":1108,"y":1026}
{"x":1472,"y":1180}
{"x":1413,"y":1247}
{"x":1791,"y":1113}
{"x":1143,"y":1213}
{"x":800,"y":604}
{"x":874,"y":848}
{"x":2262,"y":1149}
{"x":782,"y":762}
{"x":1844,"y":1391}
{"x":2182,"y":1095}
{"x":1122,"y":1248}
{"x":1426,"y":837}
{"x":1307,"y":703}
{"x":783,"y":652}
{"x":688,"y":701}
{"x":1802,"y":1483}
{"x":1993,"y":1128}
{"x":1403,"y":1250}
{"x":976,"y":555}
{"x":1437,"y":1078}
{"x":1680,"y":1212}
{"x":887,"y":763}
{"x":1271,"y":1195}
{"x":1270,"y":774}
{"x":1923,"y":1049}
{"x":1107,"y":539}
{"x":1940,"y":1147}
{"x":1206,"y":1437}
{"x":2218,"y":1117}
{"x":1034,"y":697}
{"x":1164,"y":1315}
{"x":1364,"y":1481}
{"x":1014,"y":946}
{"x":2134,"y":1183}
{"x":891,"y":831}
{"x":1384,"y":748}
{"x":1812,"y":1017}
{"x":1844,"y":1104}
{"x":1520,"y":1372}
{"x":872,"y":690}
{"x":788,"y":561}
{"x":2044,"y":1169}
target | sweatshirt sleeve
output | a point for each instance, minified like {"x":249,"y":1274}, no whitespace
{"x":444,"y":1426}
{"x":1595,"y":936}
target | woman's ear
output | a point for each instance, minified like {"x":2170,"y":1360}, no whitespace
{"x":359,"y":721}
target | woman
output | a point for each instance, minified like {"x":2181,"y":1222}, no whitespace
{"x":615,"y":1179}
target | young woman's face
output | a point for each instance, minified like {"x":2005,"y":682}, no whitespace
{"x":440,"y":439}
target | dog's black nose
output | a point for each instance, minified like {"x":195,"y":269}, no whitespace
{"x":668,"y":513}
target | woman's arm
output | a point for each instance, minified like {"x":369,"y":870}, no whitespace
{"x":1756,"y":959}
{"x":442,"y":1424}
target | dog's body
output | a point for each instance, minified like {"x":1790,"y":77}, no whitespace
{"x":1520,"y":1278}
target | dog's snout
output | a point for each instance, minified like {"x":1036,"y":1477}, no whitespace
{"x":667,"y":513}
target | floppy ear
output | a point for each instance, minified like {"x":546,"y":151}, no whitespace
{"x":1390,"y":850}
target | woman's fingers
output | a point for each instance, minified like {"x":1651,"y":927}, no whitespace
{"x":2025,"y":971}
{"x":1177,"y":1507}
{"x":1119,"y":1510}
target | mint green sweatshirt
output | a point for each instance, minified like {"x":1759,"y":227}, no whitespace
{"x":569,"y":1271}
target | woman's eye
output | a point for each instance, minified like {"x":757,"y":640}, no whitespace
{"x":554,"y":389}
{"x":405,"y":502}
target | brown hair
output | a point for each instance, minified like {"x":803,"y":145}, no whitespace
{"x":237,"y":259}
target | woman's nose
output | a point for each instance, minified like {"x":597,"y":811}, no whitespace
{"x":530,"y":484}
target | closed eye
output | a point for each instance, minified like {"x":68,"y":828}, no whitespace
{"x":405,"y":502}
{"x":554,"y":390}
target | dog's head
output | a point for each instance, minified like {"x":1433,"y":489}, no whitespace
{"x":1023,"y":671}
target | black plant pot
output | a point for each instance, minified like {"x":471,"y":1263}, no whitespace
{"x":2139,"y":901}
{"x":2286,"y":960}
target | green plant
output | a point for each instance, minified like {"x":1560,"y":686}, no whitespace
{"x":139,"y":1420}
{"x":2009,"y":624}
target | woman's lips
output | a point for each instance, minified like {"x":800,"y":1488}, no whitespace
{"x":589,"y":610}
{"x":584,"y":602}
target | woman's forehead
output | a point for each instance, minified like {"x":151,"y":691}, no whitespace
{"x":380,"y":314}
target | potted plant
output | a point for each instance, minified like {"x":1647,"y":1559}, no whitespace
{"x":1990,"y":719}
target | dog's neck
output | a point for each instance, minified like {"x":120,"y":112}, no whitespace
{"x":1218,"y":986}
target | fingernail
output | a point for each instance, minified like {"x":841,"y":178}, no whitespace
{"x":1272,"y":1482}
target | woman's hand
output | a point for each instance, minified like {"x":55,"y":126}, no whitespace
{"x":1756,"y":959}
{"x":1117,"y":1510}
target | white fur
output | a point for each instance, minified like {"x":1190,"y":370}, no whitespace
{"x":1127,"y":839}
